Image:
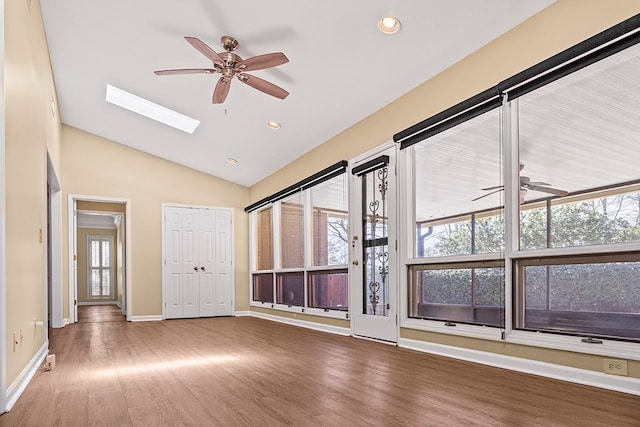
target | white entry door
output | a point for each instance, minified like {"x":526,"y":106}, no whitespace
{"x":198,"y":278}
{"x":373,"y":248}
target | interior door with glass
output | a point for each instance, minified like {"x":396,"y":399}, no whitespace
{"x":373,"y":248}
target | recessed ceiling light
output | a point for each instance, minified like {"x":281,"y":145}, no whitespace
{"x":232,"y":161}
{"x":273,"y":125}
{"x":151,"y":110}
{"x":389,"y":25}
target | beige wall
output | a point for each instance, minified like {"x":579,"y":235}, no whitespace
{"x":31,"y":130}
{"x":560,"y":26}
{"x":147,"y":182}
{"x":83,"y":260}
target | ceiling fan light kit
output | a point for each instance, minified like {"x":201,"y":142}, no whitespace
{"x":230,"y":65}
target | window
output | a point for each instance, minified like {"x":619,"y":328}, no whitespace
{"x":292,"y":232}
{"x":100,"y":267}
{"x":457,"y":193}
{"x":534,"y":184}
{"x":589,"y":218}
{"x":330,"y":222}
{"x":264,"y":237}
{"x":592,"y":295}
{"x":290,"y":289}
{"x":465,"y":294}
{"x":310,"y":240}
{"x":263,"y":287}
{"x":328,"y":290}
{"x":576,"y":140}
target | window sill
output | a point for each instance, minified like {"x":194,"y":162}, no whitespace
{"x":471,"y":331}
{"x":334,"y":314}
{"x":610,"y":348}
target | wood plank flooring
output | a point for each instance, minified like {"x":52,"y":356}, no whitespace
{"x":100,"y":313}
{"x":252,"y":372}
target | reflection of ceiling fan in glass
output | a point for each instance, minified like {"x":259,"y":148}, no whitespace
{"x":525,"y":185}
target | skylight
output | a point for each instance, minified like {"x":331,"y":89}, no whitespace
{"x":151,"y":110}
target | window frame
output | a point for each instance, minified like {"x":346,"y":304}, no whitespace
{"x":100,"y":238}
{"x":308,"y":257}
{"x":611,"y":347}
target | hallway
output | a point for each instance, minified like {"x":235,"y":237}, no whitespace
{"x":100,"y":313}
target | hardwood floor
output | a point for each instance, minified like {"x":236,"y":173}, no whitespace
{"x":100,"y":313}
{"x":252,"y":372}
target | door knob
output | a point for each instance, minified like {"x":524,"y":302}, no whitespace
{"x":195,"y":268}
{"x":354,"y":262}
{"x":202,"y":268}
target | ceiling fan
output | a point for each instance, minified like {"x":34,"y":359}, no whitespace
{"x":525,"y":185}
{"x":229,"y":65}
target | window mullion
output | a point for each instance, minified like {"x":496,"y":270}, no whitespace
{"x":308,"y":242}
{"x":510,"y":138}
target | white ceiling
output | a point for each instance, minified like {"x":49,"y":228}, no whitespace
{"x":341,"y":69}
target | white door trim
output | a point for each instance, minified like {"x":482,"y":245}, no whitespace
{"x":73,"y":280}
{"x":55,"y":301}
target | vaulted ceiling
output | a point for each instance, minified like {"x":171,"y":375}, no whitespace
{"x":341,"y":69}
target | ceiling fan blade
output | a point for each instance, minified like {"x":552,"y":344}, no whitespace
{"x":204,"y":49}
{"x":221,"y":91}
{"x":261,"y":62}
{"x":185,"y":71}
{"x":263,"y":85}
{"x":488,"y":194}
{"x":538,"y":183}
{"x":550,"y":190}
{"x":493,"y":188}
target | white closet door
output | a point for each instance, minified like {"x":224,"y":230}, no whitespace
{"x":207,"y":263}
{"x":223,"y":264}
{"x":190,"y":263}
{"x":173,"y":263}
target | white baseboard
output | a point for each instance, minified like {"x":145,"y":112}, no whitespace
{"x":151,"y":318}
{"x":101,"y":302}
{"x":303,"y":323}
{"x":14,"y":391}
{"x":242,"y":313}
{"x":549,"y":370}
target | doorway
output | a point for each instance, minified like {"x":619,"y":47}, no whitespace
{"x":99,"y":257}
{"x":373,"y":278}
{"x":54,"y":303}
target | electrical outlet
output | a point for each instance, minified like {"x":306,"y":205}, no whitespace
{"x":50,"y":362}
{"x":616,"y":367}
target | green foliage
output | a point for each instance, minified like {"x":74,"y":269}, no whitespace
{"x":612,"y":287}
